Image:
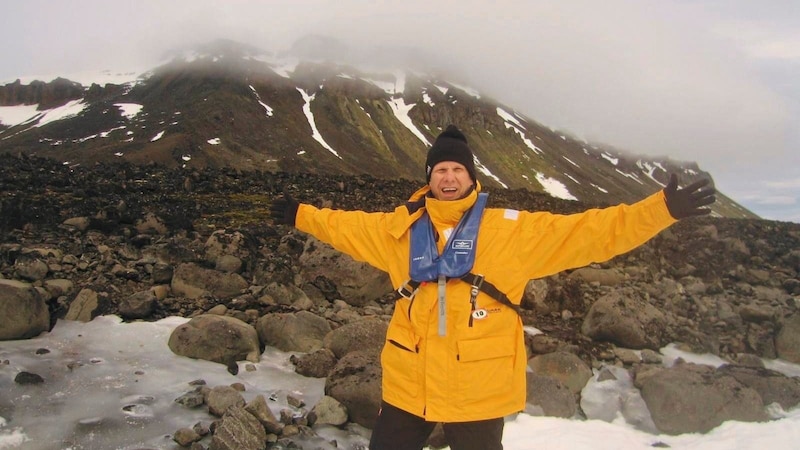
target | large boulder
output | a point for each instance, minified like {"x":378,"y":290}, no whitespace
{"x":138,"y":305}
{"x":225,"y":242}
{"x":317,"y":364}
{"x":355,"y":382}
{"x":293,"y":332}
{"x":260,"y":410}
{"x":23,"y":311}
{"x":356,"y":282}
{"x":239,"y":430}
{"x":626,"y":319}
{"x":772,"y":386}
{"x":227,"y":250}
{"x":787,"y":342}
{"x":222,"y":398}
{"x":89,"y":304}
{"x":215,"y":338}
{"x":365,"y":335}
{"x":329,"y":411}
{"x":692,"y":398}
{"x":282,"y":294}
{"x":565,"y":367}
{"x":30,"y":267}
{"x":193,"y":281}
{"x":58,"y":286}
{"x":547,"y":396}
{"x":536,"y":297}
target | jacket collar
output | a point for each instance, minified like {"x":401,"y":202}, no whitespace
{"x":442,"y":212}
{"x":448,"y":212}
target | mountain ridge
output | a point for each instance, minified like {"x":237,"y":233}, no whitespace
{"x":226,"y":105}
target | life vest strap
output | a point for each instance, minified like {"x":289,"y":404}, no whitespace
{"x":441,"y":289}
{"x":479,"y":282}
{"x":409,"y":289}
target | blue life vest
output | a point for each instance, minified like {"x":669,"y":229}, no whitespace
{"x":455,"y":261}
{"x":458,"y":256}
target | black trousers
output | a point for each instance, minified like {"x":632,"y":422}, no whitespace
{"x":396,"y":429}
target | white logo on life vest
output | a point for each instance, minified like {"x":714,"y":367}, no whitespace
{"x":462,"y":244}
{"x":479,"y":314}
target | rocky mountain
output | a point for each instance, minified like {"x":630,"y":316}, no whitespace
{"x":226,"y":104}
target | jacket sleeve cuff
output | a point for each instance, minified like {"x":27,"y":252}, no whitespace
{"x":291,"y":213}
{"x":660,"y":199}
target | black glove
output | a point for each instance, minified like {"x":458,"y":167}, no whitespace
{"x":283,"y":209}
{"x":689,"y":201}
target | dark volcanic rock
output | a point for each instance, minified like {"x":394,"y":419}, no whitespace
{"x":28,"y":378}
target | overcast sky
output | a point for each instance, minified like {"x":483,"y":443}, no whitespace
{"x":711,"y":81}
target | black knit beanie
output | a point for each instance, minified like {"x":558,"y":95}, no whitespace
{"x":451,"y":145}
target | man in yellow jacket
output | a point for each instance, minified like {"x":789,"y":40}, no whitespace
{"x":454,"y":350}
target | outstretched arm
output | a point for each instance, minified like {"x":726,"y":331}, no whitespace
{"x":559,"y":242}
{"x":359,"y":234}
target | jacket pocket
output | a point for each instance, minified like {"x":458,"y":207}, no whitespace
{"x":400,"y":361}
{"x":485,"y":367}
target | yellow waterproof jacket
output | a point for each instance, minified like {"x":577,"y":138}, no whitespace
{"x":476,"y":371}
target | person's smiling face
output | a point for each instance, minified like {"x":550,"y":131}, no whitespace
{"x":450,"y":181}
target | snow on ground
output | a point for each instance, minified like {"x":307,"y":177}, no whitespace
{"x":512,"y":122}
{"x":129,"y":110}
{"x":554,"y":187}
{"x":15,"y":115}
{"x":110,"y":384}
{"x":401,"y":110}
{"x":71,"y":109}
{"x":310,"y":116}
{"x":264,"y":105}
{"x":485,"y":170}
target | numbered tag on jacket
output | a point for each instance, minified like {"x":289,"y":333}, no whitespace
{"x":479,"y":314}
